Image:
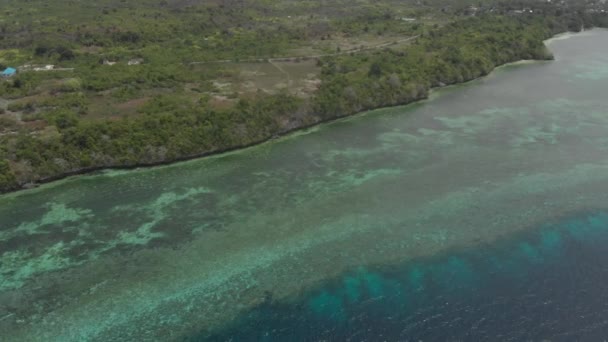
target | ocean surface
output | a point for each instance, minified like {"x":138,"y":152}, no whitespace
{"x":480,"y":214}
{"x":545,"y":285}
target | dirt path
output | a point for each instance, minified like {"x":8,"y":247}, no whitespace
{"x":278,"y":67}
{"x":292,"y":58}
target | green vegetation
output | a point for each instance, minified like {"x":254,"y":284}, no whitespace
{"x":169,"y":128}
{"x":139,"y":83}
{"x":458,"y":52}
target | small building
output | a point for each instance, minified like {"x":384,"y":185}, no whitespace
{"x":9,"y":72}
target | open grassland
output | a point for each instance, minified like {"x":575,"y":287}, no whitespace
{"x":163,"y":40}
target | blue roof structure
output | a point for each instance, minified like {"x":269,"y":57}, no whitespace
{"x":9,"y":72}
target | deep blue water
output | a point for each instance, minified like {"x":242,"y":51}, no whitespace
{"x":547,"y":284}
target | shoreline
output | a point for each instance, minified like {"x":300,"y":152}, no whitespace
{"x":277,"y":137}
{"x":280,"y":135}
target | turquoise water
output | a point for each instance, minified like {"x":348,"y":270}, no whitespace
{"x":548,"y":284}
{"x":374,"y":219}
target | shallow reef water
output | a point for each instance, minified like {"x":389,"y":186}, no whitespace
{"x":544,"y":284}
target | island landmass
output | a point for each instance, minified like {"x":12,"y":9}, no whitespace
{"x":121,"y":85}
